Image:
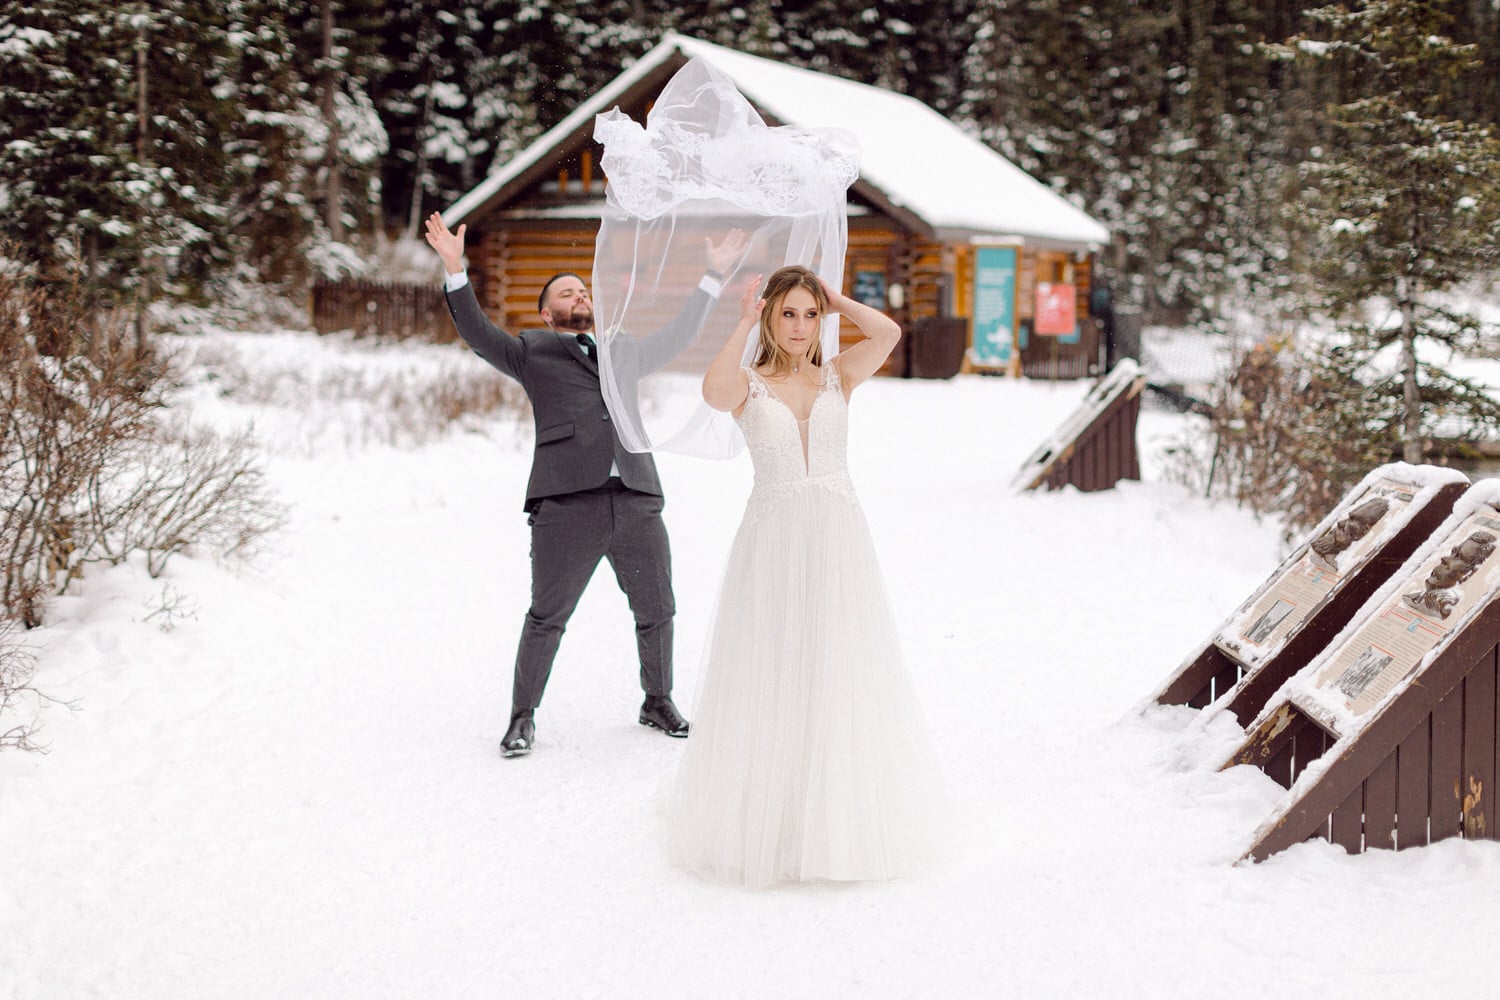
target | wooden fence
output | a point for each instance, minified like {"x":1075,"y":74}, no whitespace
{"x":382,"y":308}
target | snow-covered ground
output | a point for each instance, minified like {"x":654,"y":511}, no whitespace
{"x":281,"y":778}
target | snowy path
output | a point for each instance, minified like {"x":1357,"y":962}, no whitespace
{"x":296,"y":793}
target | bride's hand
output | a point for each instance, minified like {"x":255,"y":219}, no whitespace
{"x":835,"y":299}
{"x":750,"y":303}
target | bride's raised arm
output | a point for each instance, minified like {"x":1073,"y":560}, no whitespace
{"x":725,"y":384}
{"x":882,"y":334}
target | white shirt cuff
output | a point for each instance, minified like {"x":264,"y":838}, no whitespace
{"x":713,"y":286}
{"x":455,"y":281}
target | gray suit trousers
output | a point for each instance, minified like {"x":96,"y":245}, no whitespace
{"x":570,"y":533}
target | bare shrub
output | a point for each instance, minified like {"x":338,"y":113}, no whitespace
{"x":475,"y":394}
{"x":1286,"y":435}
{"x":89,"y":470}
{"x":180,"y":488}
{"x":170,"y":607}
{"x":17,"y":697}
{"x":1251,"y":421}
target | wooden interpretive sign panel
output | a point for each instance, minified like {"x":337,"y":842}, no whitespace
{"x":1302,"y":585}
{"x":1316,"y":590}
{"x":1454,"y":578}
{"x":1095,"y":447}
{"x":1400,"y":711}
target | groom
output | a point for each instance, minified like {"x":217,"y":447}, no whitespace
{"x":588,"y":498}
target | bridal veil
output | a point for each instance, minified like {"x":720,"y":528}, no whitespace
{"x":703,"y":164}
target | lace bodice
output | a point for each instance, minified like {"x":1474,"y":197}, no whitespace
{"x":791,"y":455}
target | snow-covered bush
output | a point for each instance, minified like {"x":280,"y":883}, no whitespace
{"x":306,"y":392}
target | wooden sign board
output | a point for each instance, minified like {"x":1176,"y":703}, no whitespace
{"x":1390,"y":645}
{"x":1316,"y":590}
{"x":1303,"y":585}
{"x":1399,"y":712}
{"x":1095,"y":447}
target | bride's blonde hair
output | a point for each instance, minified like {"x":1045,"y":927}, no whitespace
{"x":778,"y":285}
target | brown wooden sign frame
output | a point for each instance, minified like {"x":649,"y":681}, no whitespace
{"x":1213,"y":672}
{"x":1417,"y":767}
{"x":1095,"y":447}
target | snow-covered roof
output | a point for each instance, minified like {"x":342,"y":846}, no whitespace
{"x":913,"y":157}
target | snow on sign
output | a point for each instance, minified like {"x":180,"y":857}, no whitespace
{"x":1454,"y":579}
{"x":1303,"y":584}
{"x":1291,"y":617}
{"x":1416,"y":614}
{"x":1399,"y":711}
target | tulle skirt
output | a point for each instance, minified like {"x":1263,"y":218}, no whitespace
{"x":809,"y":758}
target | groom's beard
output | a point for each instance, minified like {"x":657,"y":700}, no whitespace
{"x":577,"y":319}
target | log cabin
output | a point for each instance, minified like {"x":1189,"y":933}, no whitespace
{"x":985,"y":268}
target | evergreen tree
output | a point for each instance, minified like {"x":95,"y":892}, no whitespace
{"x":271,"y":214}
{"x":68,"y":129}
{"x":1403,"y":207}
{"x":336,"y":47}
{"x":142,"y":142}
{"x":1160,"y":119}
{"x":465,"y":86}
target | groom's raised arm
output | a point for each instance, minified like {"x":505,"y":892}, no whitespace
{"x":487,"y":340}
{"x":657,"y":350}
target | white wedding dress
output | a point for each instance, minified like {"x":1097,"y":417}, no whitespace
{"x":809,"y":758}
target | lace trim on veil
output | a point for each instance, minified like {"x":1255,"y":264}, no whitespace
{"x":766,"y":171}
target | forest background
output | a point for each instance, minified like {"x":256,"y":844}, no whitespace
{"x":230,"y":152}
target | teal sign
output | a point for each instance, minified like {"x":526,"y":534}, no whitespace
{"x":869,"y":288}
{"x":994,"y":306}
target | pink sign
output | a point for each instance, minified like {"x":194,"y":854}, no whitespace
{"x":1056,"y":308}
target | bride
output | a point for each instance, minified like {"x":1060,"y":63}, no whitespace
{"x":808,"y":760}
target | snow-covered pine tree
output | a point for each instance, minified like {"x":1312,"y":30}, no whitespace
{"x":160,"y":203}
{"x":1159,"y":118}
{"x":271,"y":215}
{"x":422,"y":102}
{"x":465,"y":86}
{"x":335,"y":48}
{"x":69,"y":183}
{"x":1403,"y":208}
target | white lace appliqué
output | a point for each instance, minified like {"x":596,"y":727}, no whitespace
{"x":774,"y":438}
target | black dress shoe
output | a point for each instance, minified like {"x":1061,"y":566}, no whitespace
{"x":520,"y":737}
{"x":659,"y":713}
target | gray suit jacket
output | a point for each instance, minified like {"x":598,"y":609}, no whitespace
{"x":575,"y":435}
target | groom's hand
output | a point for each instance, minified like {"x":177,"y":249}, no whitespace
{"x":449,"y":245}
{"x":723,"y":256}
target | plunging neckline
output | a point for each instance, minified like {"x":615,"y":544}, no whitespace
{"x":777,"y":396}
{"x":804,"y":424}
